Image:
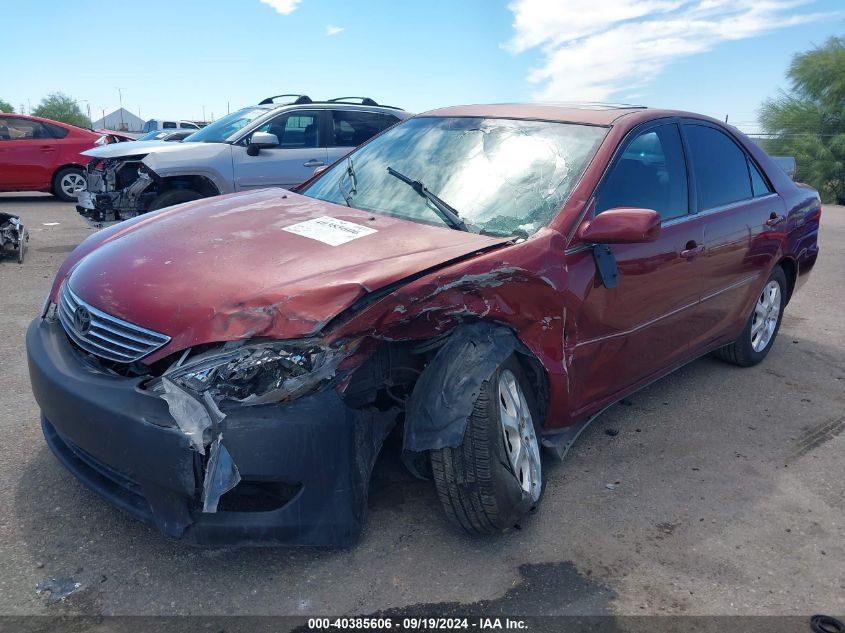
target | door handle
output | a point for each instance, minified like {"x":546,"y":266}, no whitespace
{"x":313,"y":163}
{"x":775,"y":219}
{"x":47,"y":148}
{"x":692,"y":250}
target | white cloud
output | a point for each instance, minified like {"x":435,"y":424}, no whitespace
{"x":285,"y":7}
{"x":333,"y":30}
{"x":594,"y":49}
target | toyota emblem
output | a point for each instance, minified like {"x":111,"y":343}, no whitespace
{"x":82,"y":320}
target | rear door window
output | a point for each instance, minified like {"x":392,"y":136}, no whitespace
{"x":350,"y":128}
{"x":650,"y":174}
{"x":720,"y":167}
{"x":169,"y":125}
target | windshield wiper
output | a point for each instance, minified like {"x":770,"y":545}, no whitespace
{"x":350,"y":170}
{"x":353,"y":180}
{"x":449,"y":215}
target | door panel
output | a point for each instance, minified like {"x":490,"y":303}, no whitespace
{"x":27,"y":155}
{"x":638,"y":329}
{"x":300,"y":152}
{"x":277,"y":167}
{"x":629,"y":334}
{"x":743,"y":230}
{"x":740,"y":248}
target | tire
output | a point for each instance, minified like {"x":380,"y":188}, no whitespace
{"x":756,"y":340}
{"x":173,"y":196}
{"x":476,"y":481}
{"x":66,"y":181}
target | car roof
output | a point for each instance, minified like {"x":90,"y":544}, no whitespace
{"x":341,"y":103}
{"x":604,"y":114}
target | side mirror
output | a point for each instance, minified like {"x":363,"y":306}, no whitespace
{"x":623,"y":226}
{"x":261,"y":140}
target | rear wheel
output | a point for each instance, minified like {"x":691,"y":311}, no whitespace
{"x":494,"y":478}
{"x":763,"y":325}
{"x":173,"y":196}
{"x":67,"y":182}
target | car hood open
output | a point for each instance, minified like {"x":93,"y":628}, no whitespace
{"x":230,"y":268}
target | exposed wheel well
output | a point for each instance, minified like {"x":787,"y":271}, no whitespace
{"x":200,"y":184}
{"x":790,"y":269}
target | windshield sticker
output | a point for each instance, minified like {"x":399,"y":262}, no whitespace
{"x":329,"y":230}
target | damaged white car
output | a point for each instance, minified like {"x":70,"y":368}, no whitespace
{"x":267,"y":145}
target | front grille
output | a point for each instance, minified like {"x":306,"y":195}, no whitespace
{"x":107,"y":337}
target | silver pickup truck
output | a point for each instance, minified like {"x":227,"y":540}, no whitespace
{"x":268,"y":145}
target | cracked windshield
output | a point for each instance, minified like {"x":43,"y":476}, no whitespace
{"x":499,"y":176}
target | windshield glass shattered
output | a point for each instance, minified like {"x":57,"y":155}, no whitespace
{"x":502,"y":176}
{"x":224,"y":127}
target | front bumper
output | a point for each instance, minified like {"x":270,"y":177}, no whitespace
{"x":311,"y":457}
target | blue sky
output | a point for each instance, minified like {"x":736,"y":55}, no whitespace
{"x":173,"y":58}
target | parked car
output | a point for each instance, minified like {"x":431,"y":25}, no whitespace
{"x":166,"y":135}
{"x":271,"y":144}
{"x":161,"y":124}
{"x":113,"y":136}
{"x":488,"y":277}
{"x":42,"y":155}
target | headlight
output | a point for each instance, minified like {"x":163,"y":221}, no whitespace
{"x":261,"y":373}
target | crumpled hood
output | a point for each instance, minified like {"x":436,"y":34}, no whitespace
{"x":137,"y":148}
{"x":225,"y":268}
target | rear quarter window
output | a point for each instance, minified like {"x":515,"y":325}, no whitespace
{"x":759,"y":186}
{"x":56,"y":131}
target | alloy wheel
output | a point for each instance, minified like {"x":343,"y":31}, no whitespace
{"x":518,"y":433}
{"x":72,"y":183}
{"x":765,"y":318}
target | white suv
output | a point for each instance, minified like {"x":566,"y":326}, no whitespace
{"x":267,"y":145}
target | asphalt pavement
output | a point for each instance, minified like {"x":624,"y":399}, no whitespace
{"x":716,"y":491}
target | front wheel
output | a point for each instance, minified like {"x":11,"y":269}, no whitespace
{"x":172,"y":197}
{"x":762,"y":326}
{"x":68,"y":182}
{"x":494,"y":478}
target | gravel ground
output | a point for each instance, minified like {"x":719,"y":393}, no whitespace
{"x":727,"y":497}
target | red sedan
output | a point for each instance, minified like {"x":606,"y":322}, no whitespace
{"x":42,"y":155}
{"x":488,"y":278}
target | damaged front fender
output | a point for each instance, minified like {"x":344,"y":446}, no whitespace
{"x":445,"y":393}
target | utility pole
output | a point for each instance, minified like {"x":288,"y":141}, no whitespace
{"x":88,"y":105}
{"x":120,"y":100}
{"x":203,"y":114}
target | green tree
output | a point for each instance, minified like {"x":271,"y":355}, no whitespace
{"x":60,"y":107}
{"x":808,"y":122}
{"x":5,"y":106}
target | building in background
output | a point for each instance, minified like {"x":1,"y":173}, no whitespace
{"x":121,"y":119}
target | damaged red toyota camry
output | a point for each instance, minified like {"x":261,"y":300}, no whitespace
{"x":482,"y":279}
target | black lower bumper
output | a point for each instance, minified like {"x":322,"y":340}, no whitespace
{"x":304,"y":465}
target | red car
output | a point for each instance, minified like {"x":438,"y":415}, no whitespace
{"x":483,"y":279}
{"x":42,"y":155}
